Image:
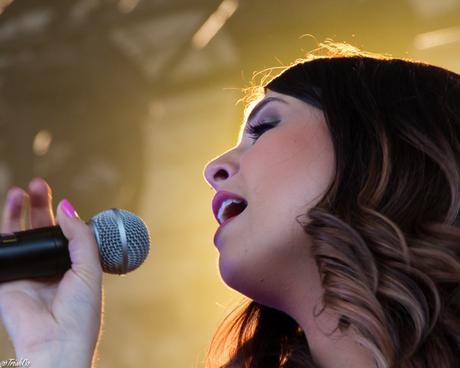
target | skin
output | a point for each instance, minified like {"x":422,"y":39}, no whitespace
{"x":264,"y":253}
{"x":53,"y":321}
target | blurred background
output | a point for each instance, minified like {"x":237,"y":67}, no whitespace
{"x":121,"y":103}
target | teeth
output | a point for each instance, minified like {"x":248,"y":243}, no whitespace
{"x":223,"y":206}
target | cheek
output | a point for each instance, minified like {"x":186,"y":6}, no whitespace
{"x":284,"y":175}
{"x":307,"y":169}
{"x":288,"y":171}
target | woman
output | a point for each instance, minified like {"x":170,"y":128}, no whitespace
{"x":346,"y":243}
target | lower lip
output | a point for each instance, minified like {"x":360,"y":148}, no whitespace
{"x":216,"y":235}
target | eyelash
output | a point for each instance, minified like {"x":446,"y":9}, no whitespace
{"x":256,"y":130}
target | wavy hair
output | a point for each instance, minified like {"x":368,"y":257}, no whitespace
{"x":386,"y":234}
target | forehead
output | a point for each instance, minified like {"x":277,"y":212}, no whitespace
{"x":261,"y":95}
{"x":295,"y":106}
{"x":253,"y":107}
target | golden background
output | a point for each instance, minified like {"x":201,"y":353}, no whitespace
{"x":121,"y":103}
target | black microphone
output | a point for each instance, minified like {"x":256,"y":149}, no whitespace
{"x":122,"y":238}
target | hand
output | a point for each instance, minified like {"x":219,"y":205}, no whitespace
{"x":53,"y":321}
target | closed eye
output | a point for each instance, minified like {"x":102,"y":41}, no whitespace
{"x":256,"y":130}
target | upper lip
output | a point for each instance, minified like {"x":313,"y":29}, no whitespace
{"x":220,"y":197}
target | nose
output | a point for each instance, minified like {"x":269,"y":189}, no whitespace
{"x":218,"y":171}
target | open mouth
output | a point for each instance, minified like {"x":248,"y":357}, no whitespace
{"x":231,"y":208}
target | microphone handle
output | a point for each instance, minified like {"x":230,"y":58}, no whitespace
{"x":33,"y":253}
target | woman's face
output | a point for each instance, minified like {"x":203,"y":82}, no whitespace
{"x":263,"y":252}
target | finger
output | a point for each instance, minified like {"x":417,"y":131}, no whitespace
{"x":14,"y":211}
{"x":83,"y":249}
{"x":41,"y":206}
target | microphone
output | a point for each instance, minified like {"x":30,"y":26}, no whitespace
{"x":122,"y":238}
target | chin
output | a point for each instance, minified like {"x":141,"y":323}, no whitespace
{"x":247,"y":283}
{"x":230,"y":273}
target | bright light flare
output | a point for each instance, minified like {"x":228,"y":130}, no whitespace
{"x":42,"y":142}
{"x":127,"y":6}
{"x":437,"y":38}
{"x":214,"y":23}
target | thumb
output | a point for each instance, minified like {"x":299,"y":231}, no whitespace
{"x":83,"y":249}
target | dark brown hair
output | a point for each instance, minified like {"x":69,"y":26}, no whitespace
{"x":385,"y":235}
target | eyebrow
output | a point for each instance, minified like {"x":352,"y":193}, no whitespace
{"x":261,"y":104}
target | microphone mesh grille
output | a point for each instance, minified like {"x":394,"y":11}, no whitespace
{"x":110,"y":239}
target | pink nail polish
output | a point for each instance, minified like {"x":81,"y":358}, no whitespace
{"x":68,"y":208}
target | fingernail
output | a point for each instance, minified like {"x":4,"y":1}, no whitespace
{"x":68,"y":209}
